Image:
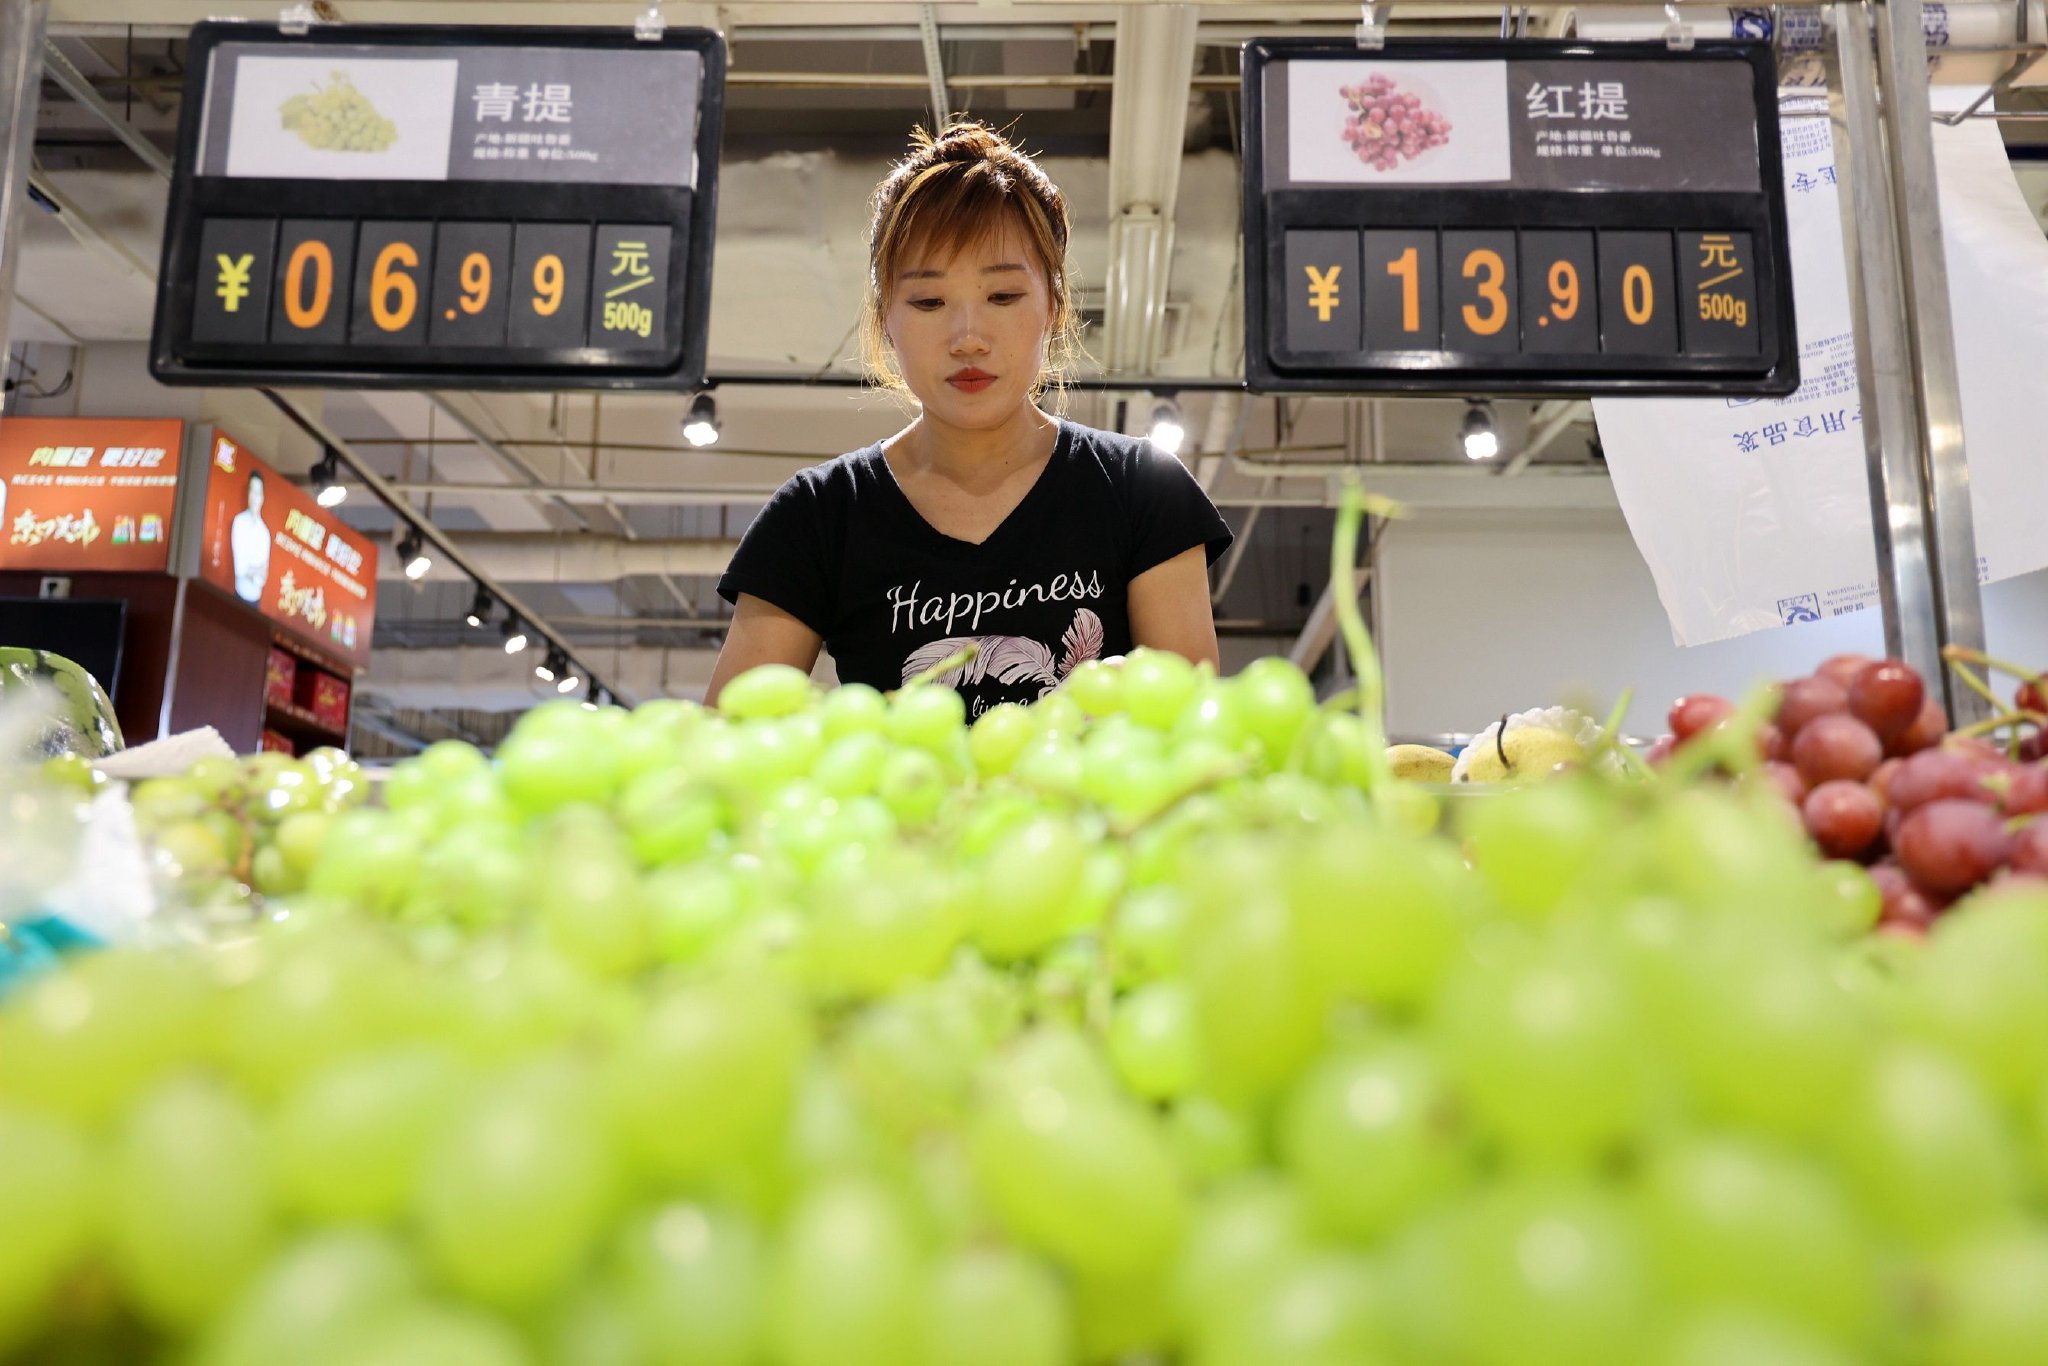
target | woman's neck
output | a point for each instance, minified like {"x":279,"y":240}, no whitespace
{"x":973,"y":456}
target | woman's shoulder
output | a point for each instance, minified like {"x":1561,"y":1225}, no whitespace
{"x":1123,"y":460}
{"x":841,"y":477}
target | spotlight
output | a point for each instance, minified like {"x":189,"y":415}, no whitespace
{"x":413,"y":551}
{"x":701,"y":427}
{"x":1167,"y":433}
{"x":329,"y":491}
{"x":515,"y":636}
{"x":1476,"y":433}
{"x":479,"y":608}
{"x":569,"y":682}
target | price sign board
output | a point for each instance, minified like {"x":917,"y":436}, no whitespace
{"x":491,"y":208}
{"x":1452,"y":216}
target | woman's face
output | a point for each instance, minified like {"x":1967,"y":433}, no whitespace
{"x":970,"y":332}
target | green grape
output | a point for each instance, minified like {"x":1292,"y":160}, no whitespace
{"x":349,"y":1145}
{"x":690,"y":908}
{"x":1085,"y":1179}
{"x":709,"y":1074}
{"x":1846,"y":901}
{"x":852,"y":765}
{"x":1532,"y":844}
{"x":1382,"y":917}
{"x":1988,"y":1306}
{"x":657,"y":733}
{"x":1211,"y":1142}
{"x":370,"y":860}
{"x":999,"y":738}
{"x":1547,"y":1274}
{"x":1152,"y":1041}
{"x":764,"y":691}
{"x":82,"y":1043}
{"x":1123,"y":1318}
{"x":1241,"y":1236}
{"x":1147,"y":935}
{"x":1259,"y":1015}
{"x":913,"y":786}
{"x":1319,"y":1310}
{"x":299,"y":839}
{"x":878,"y":924}
{"x":994,"y":1307}
{"x":692,"y":1278}
{"x":591,"y":1327}
{"x":430,"y":1335}
{"x":928,"y":716}
{"x":1273,"y":701}
{"x":47,"y":1200}
{"x":476,"y":875}
{"x":321,"y":1288}
{"x":1371,"y":1134}
{"x":1158,"y":685}
{"x":188,"y":1220}
{"x":1095,"y":687}
{"x":1733,"y":1222}
{"x":1731,"y":1338}
{"x":329,"y":992}
{"x":584,"y":885}
{"x":847,"y":1280}
{"x":1981,"y":994}
{"x":514,"y":1190}
{"x":1923,"y":1150}
{"x":853,"y":707}
{"x":672,"y":818}
{"x":1541,"y":1044}
{"x":1052,"y":764}
{"x":1024,"y":887}
{"x":191,"y":851}
{"x":546,"y":770}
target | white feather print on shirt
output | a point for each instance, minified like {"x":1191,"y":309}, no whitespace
{"x":1010,"y":659}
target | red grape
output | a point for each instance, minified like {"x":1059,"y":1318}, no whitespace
{"x":1881,"y":779}
{"x":2034,"y":748}
{"x":1805,"y":699}
{"x":1951,"y":845}
{"x":2032,"y":695}
{"x":1931,"y":775}
{"x":1974,"y":747}
{"x":1886,"y":697}
{"x":1904,"y":905}
{"x":1836,"y":746}
{"x":1843,"y":669}
{"x":1770,"y":741}
{"x":1844,"y":818}
{"x":1788,"y":781}
{"x":2030,"y":849}
{"x":2026,"y":790}
{"x":1660,"y":750}
{"x":1925,"y":732}
{"x":1696,"y":712}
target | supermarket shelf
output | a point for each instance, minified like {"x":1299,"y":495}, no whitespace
{"x":297,"y":720}
{"x":298,"y":649}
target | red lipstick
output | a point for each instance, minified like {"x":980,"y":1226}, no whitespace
{"x":970,"y":380}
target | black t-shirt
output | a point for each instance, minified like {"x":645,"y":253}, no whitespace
{"x":841,"y":549}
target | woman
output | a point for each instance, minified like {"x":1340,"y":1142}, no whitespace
{"x":986,"y":520}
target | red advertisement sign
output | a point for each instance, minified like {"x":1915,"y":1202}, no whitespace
{"x":88,"y":493}
{"x":266,"y":541}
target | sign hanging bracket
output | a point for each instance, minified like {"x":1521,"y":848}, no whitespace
{"x":649,"y":27}
{"x":1372,"y":26}
{"x":1677,"y":33}
{"x":296,"y":19}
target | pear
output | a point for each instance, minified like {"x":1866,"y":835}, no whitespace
{"x":1526,"y":752}
{"x":1420,"y":763}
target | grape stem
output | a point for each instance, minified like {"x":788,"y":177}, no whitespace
{"x":1731,"y":745}
{"x":1962,"y":654}
{"x":1365,"y":662}
{"x":1610,"y":738}
{"x":945,"y":666}
{"x":1972,"y":681}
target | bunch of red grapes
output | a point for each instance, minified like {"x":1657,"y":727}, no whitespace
{"x":1865,"y":754}
{"x":1385,"y":126}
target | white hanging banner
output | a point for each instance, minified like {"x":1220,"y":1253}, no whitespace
{"x":1753,"y":513}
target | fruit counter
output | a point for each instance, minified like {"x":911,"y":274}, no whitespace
{"x":1156,"y":1022}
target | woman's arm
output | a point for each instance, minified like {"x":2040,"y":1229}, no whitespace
{"x":763,"y":633}
{"x":1169,"y":605}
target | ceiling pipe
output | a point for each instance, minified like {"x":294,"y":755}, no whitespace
{"x":525,"y":557}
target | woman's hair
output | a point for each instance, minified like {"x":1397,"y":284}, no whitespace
{"x":956,"y":190}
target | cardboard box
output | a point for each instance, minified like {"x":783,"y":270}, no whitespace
{"x":328,"y":700}
{"x":280,"y":678}
{"x":273,"y":742}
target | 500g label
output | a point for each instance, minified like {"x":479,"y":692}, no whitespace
{"x":623,"y":316}
{"x":1724,"y":308}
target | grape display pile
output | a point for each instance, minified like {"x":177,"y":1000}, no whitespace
{"x":1862,"y":750}
{"x":337,"y":117}
{"x":1136,"y":1026}
{"x":1386,"y":126}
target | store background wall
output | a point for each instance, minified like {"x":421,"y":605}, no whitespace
{"x":1482,"y":613}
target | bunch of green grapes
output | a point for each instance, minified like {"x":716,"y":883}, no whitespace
{"x":337,"y":117}
{"x":823,"y":1029}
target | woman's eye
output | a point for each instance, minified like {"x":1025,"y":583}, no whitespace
{"x":1004,"y":298}
{"x":925,"y":305}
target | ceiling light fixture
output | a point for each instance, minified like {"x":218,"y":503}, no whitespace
{"x":515,"y":636}
{"x":1476,"y":434}
{"x":328,"y":490}
{"x":412,"y":550}
{"x":701,"y":427}
{"x":1167,"y":432}
{"x":479,"y":608}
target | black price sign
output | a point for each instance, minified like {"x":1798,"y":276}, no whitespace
{"x":1459,"y":217}
{"x":492,"y":207}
